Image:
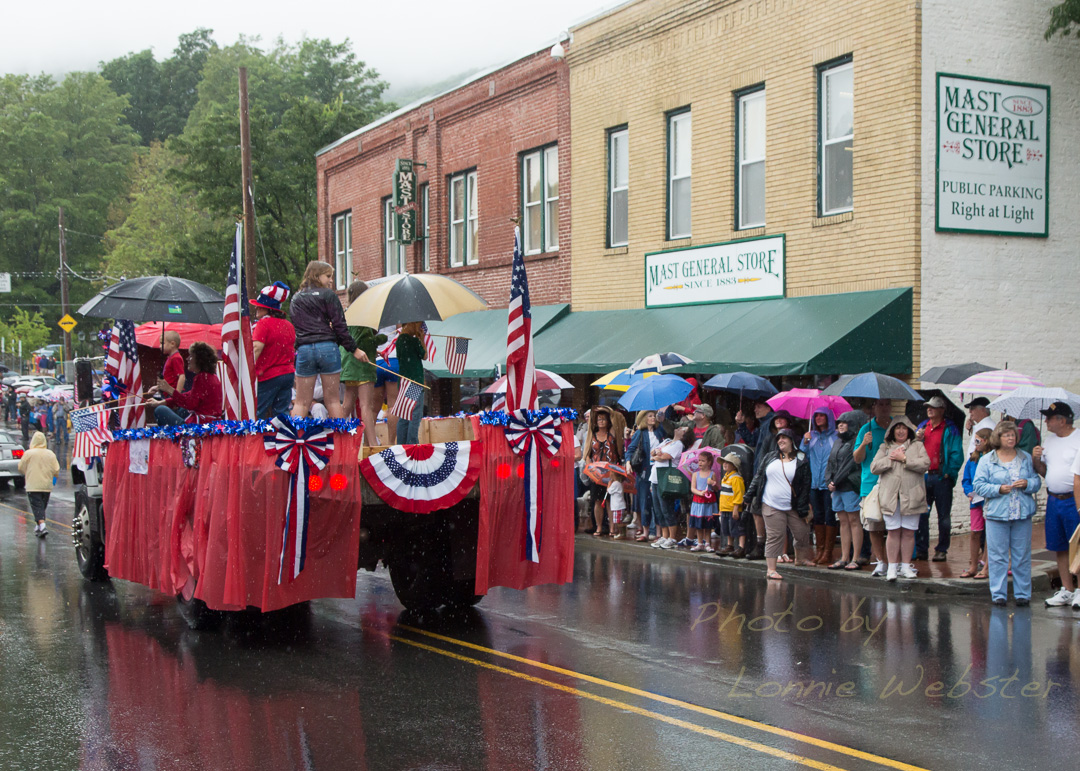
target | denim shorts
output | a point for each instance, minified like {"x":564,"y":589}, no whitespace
{"x":318,"y":359}
{"x":382,"y":377}
{"x":845,"y":501}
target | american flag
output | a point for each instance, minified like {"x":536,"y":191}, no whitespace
{"x":123,"y":364}
{"x":520,"y":367}
{"x":90,"y":426}
{"x":457,"y":350}
{"x":408,"y":395}
{"x":239,"y":386}
{"x":388,"y":347}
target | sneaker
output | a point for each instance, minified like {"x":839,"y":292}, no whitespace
{"x":1062,"y":598}
{"x":908,"y":570}
{"x":697,"y":547}
{"x":658,"y":543}
{"x":879,"y":569}
{"x":40,"y":530}
{"x":686,"y":543}
{"x":940,"y":556}
{"x":668,"y":543}
{"x":891,"y":574}
{"x":1076,"y":601}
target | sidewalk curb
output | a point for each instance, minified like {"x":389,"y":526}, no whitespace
{"x":937,"y":587}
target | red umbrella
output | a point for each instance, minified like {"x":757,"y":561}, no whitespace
{"x":151,"y":333}
{"x":545,"y":381}
{"x":602,"y":472}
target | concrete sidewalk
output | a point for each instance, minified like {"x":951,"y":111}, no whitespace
{"x":935,"y":578}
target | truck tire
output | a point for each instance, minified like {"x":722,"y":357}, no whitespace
{"x":196,"y":613}
{"x":462,"y":594}
{"x":89,"y":550}
{"x":415,"y":573}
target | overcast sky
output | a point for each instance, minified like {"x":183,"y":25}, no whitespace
{"x":410,"y":42}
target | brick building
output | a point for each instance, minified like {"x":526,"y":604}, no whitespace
{"x":496,"y":149}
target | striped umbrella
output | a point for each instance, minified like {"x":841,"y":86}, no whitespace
{"x":620,"y":380}
{"x":412,"y":297}
{"x":659,"y":362}
{"x":997,"y":381}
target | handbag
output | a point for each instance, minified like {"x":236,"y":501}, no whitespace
{"x":637,"y":460}
{"x":1074,"y":551}
{"x":871,"y":507}
{"x":672,"y":482}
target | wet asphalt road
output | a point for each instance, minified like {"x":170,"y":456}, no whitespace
{"x":633,"y":666}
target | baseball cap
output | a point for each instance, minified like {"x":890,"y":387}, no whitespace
{"x":704,"y":409}
{"x":1058,"y":408}
{"x":936,"y":402}
{"x":978,"y":401}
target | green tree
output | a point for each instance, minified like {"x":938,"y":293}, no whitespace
{"x":28,"y":327}
{"x":162,"y":224}
{"x":300,"y":98}
{"x":138,"y":77}
{"x":1064,"y":19}
{"x":61,"y":145}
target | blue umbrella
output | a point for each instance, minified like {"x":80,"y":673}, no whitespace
{"x":743,"y":383}
{"x":624,"y":378}
{"x":656,"y":392}
{"x":872,"y":385}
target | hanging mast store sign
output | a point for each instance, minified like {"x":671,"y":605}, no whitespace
{"x":749,"y":269}
{"x":993,"y":156}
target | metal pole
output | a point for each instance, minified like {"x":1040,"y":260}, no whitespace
{"x":64,"y":289}
{"x":249,"y":204}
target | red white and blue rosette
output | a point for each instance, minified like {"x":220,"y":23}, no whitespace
{"x":422,"y":478}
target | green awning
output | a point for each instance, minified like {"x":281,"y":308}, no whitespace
{"x":487,"y":330}
{"x":814,"y":335}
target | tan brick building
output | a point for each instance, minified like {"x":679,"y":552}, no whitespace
{"x":651,"y":74}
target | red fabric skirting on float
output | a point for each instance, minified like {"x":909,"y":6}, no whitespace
{"x":222,"y":523}
{"x":500,"y":552}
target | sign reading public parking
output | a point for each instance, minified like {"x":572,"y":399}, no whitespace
{"x":993,"y":156}
{"x":748,"y":269}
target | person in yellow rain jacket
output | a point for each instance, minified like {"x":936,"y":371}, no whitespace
{"x":39,"y":466}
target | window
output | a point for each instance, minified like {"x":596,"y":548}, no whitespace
{"x":837,"y":89}
{"x":540,"y":193}
{"x":425,"y":225}
{"x":751,"y":166}
{"x":618,"y":187}
{"x":393,"y":252}
{"x":679,"y":175}
{"x":464,"y":220}
{"x":343,"y":249}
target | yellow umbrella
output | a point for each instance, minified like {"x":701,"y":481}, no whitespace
{"x":412,"y":297}
{"x":605,"y":381}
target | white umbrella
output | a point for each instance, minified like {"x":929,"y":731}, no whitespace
{"x":1027,"y":402}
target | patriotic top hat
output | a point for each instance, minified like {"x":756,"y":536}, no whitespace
{"x":271,"y":297}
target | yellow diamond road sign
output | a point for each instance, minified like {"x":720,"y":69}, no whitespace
{"x":67,"y":323}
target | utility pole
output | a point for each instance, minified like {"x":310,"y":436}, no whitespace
{"x":64,"y":291}
{"x":249,"y":204}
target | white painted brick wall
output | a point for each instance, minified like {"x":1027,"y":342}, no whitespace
{"x":999,"y":299}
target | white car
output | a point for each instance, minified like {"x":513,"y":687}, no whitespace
{"x":11,"y":451}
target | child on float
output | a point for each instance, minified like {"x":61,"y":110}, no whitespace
{"x":730,"y":499}
{"x":703,"y":508}
{"x":411,"y":353}
{"x":976,"y":568}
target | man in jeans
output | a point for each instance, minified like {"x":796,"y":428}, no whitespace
{"x":1055,"y":462}
{"x":944,"y":446}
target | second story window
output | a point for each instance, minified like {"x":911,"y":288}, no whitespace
{"x":678,"y":138}
{"x":343,"y":250}
{"x":393,"y":252}
{"x":618,"y":187}
{"x":835,"y":164}
{"x":464,"y":220}
{"x":540,"y":200}
{"x":751,"y":165}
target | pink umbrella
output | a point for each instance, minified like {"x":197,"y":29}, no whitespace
{"x":804,"y":402}
{"x":545,"y":381}
{"x":688,"y":461}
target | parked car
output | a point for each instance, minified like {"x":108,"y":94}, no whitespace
{"x":11,"y":451}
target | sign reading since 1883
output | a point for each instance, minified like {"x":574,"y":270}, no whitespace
{"x":750,"y":269}
{"x":993,"y":156}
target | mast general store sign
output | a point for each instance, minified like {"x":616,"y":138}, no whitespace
{"x":750,"y":269}
{"x":993,"y":156}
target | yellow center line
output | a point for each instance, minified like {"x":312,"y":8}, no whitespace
{"x":747,"y":743}
{"x":746,"y":722}
{"x":29,"y":514}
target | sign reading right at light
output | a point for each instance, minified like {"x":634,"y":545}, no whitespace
{"x":993,"y":156}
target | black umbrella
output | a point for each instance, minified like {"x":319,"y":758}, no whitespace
{"x":952,"y":374}
{"x":157,"y":298}
{"x":871,"y":385}
{"x":916,"y":411}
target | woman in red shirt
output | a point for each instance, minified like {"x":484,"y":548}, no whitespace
{"x":203,"y":401}
{"x":274,"y":343}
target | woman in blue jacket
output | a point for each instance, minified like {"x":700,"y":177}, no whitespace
{"x":817,"y":444}
{"x":1007,"y":481}
{"x":648,"y":436}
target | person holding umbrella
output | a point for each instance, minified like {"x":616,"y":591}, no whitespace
{"x":867,"y":442}
{"x":359,"y":377}
{"x":202,"y":402}
{"x":647,"y":437}
{"x":320,"y":328}
{"x":817,"y":443}
{"x":844,"y":478}
{"x":603,"y":442}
